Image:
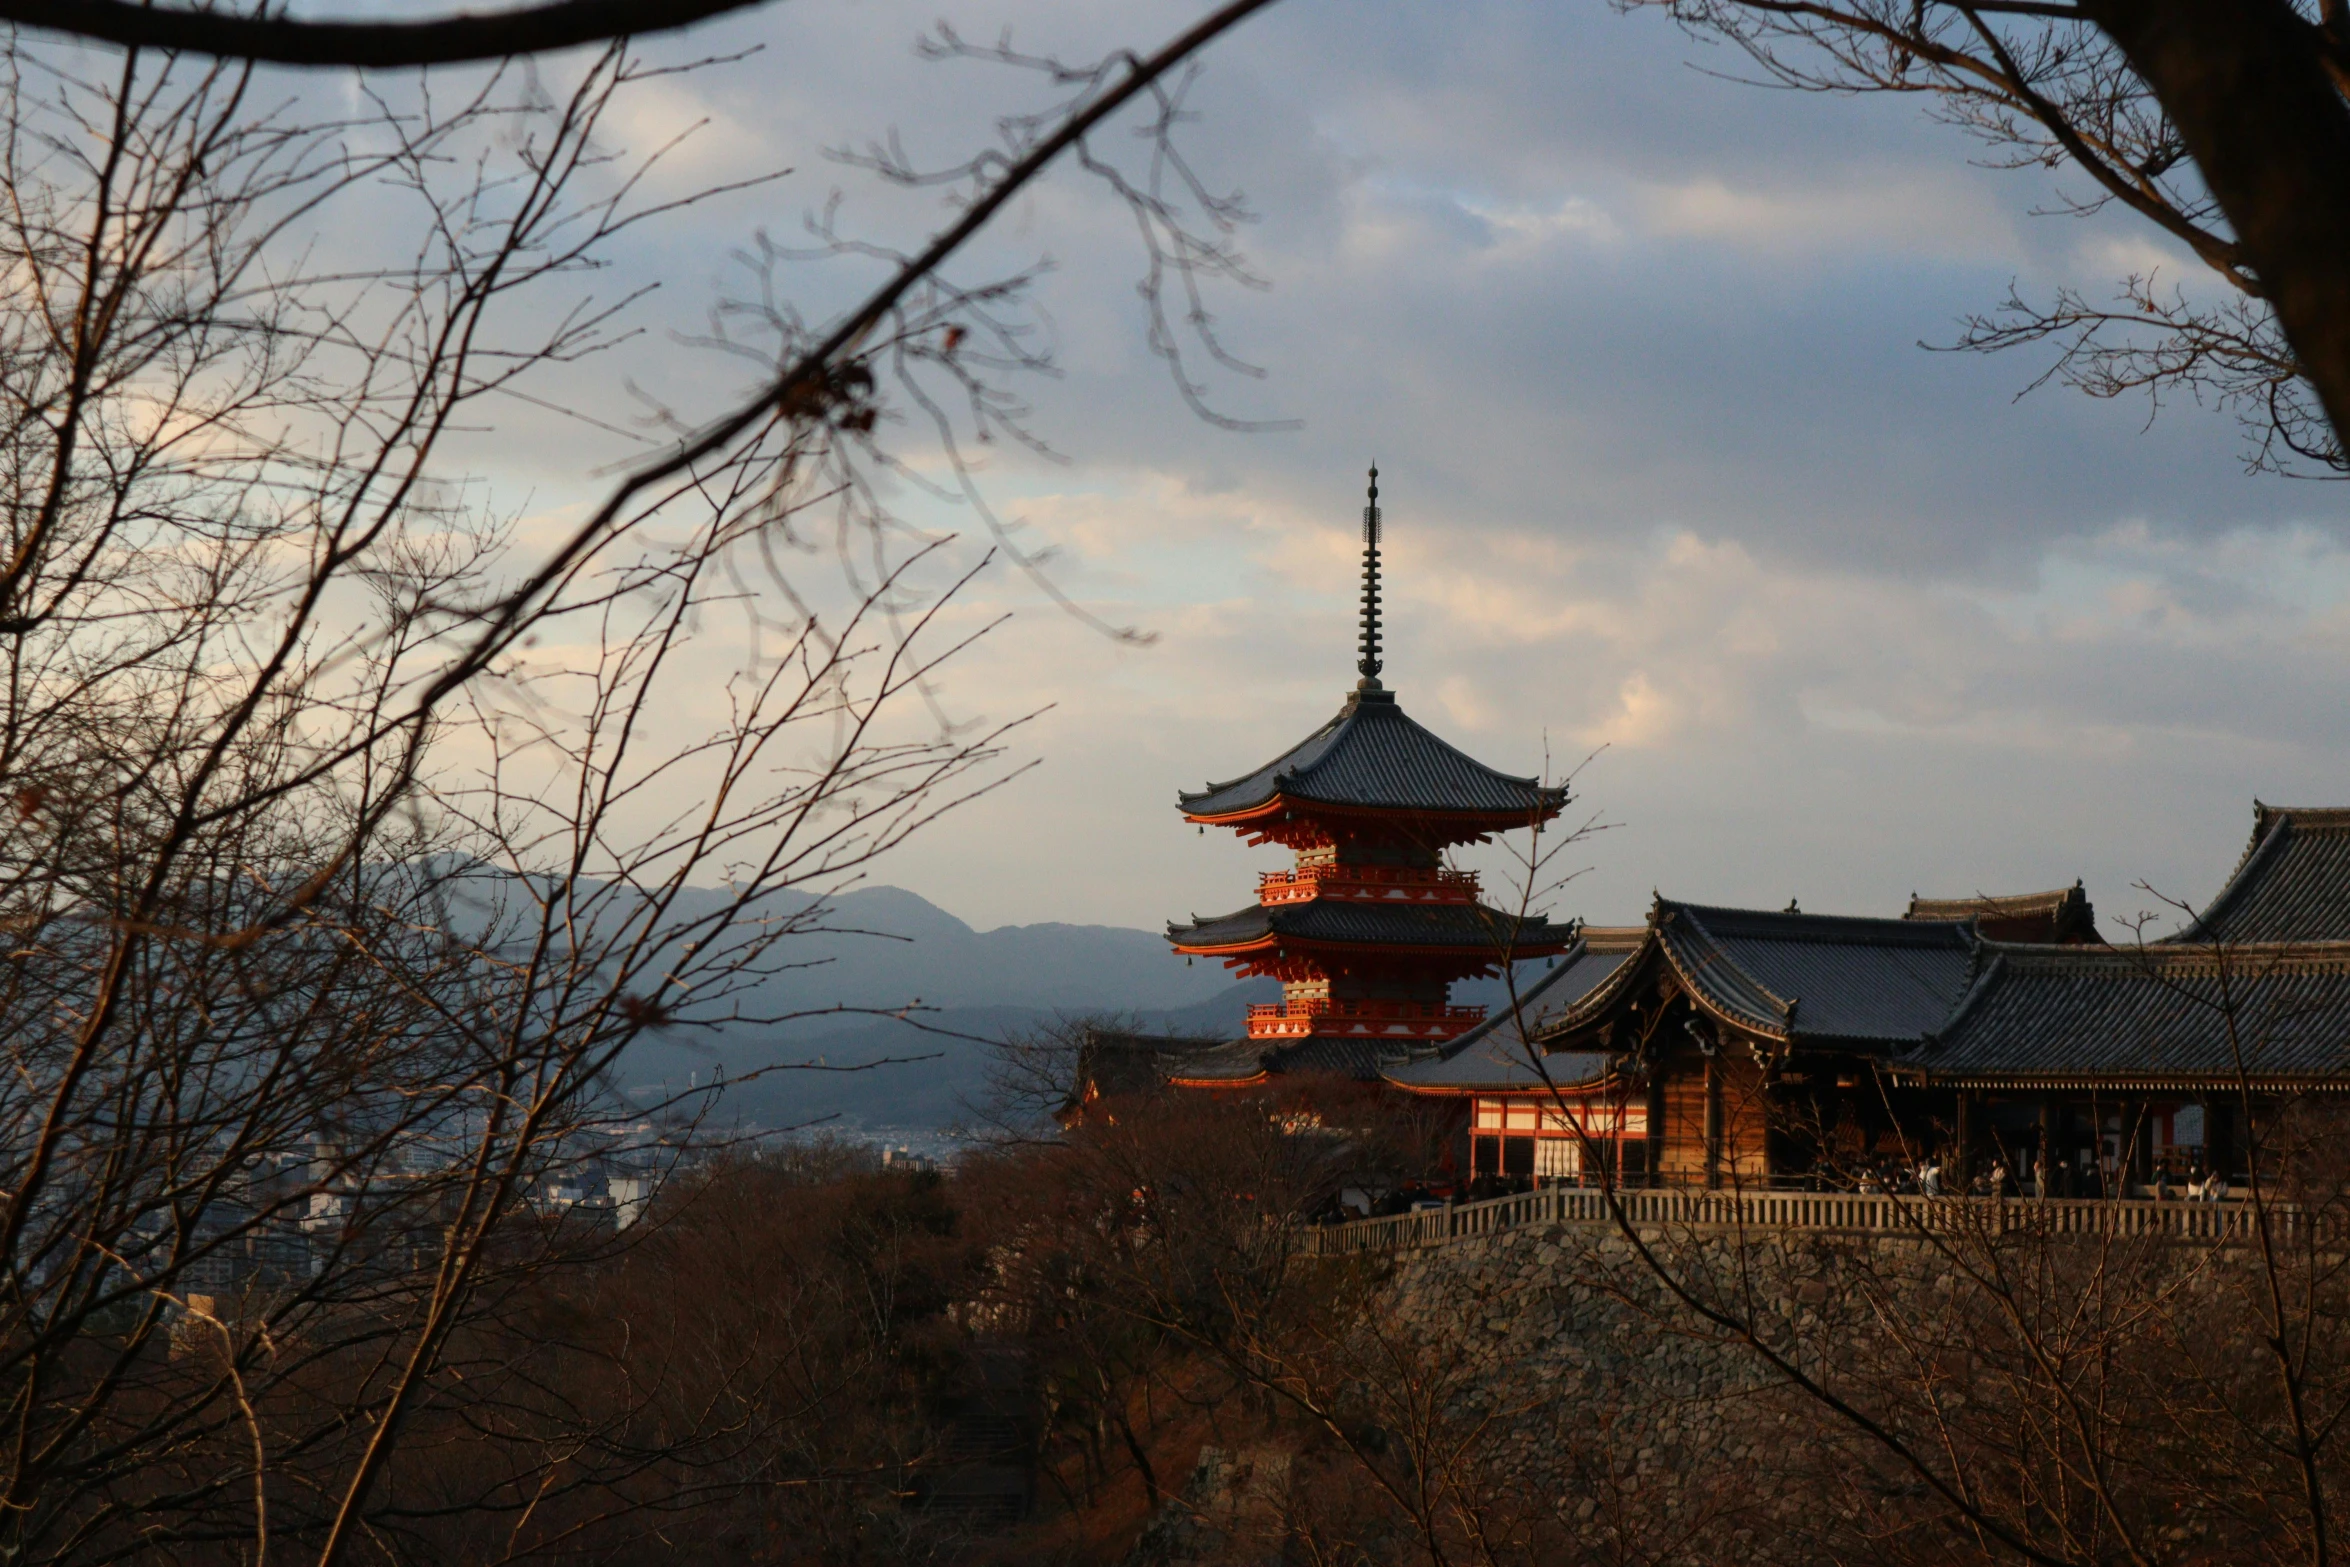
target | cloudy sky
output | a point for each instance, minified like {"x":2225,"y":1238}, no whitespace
{"x":1668,"y":475}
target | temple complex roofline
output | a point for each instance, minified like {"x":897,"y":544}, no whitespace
{"x":2061,"y":915}
{"x":2292,"y":883}
{"x":2134,"y":1017}
{"x":1855,"y":983}
{"x":1987,"y":1042}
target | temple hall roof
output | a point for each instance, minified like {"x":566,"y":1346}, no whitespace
{"x":2061,"y":915}
{"x":1235,"y":1061}
{"x":1373,"y":756}
{"x":1821,"y":976}
{"x":2111,"y":1016}
{"x":1118,"y":1061}
{"x":1246,"y":1060}
{"x":2293,"y":883}
{"x":1336,"y":922}
{"x":1809,"y":979}
{"x":1493,"y":1049}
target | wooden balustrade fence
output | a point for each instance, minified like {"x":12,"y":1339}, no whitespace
{"x":1843,"y":1211}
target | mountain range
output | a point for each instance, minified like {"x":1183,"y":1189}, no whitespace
{"x":886,"y":950}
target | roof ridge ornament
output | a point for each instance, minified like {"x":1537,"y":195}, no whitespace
{"x":1369,"y":664}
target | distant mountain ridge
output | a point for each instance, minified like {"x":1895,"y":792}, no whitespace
{"x":885,"y":949}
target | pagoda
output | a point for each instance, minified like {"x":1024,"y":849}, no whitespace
{"x":1369,"y":929}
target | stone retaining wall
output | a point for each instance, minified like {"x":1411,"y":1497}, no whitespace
{"x":1569,"y":1314}
{"x":1596,"y":1414}
{"x":1597,"y":1410}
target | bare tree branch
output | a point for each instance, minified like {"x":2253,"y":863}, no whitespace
{"x":442,"y":40}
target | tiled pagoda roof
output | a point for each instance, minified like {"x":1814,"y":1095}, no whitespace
{"x":1372,"y":756}
{"x":1328,"y":922}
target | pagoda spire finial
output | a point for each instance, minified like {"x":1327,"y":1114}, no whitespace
{"x":1369,"y":663}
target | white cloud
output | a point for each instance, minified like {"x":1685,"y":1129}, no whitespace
{"x":1966,"y":737}
{"x":1636,"y":349}
{"x":1884,"y":211}
{"x":1534,"y":227}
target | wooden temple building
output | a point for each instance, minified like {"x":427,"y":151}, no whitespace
{"x":1991,"y":1036}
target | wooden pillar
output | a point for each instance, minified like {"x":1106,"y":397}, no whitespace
{"x":1713,"y":1119}
{"x":1865,"y":1104}
{"x":2142,"y":1144}
{"x":1656,"y":1124}
{"x":1962,"y":1157}
{"x":2219,"y":1135}
{"x":2045,"y":1169}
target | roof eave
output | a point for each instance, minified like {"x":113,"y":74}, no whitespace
{"x":1255,"y":944}
{"x":1582,"y":1090}
{"x":2090,"y":1081}
{"x":1482,"y":951}
{"x":1848,"y":1044}
{"x":1282,"y":801}
{"x":2271,"y":827}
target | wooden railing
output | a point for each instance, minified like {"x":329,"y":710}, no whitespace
{"x":1770,"y":1210}
{"x":1368,"y":884}
{"x":1323,"y":1006}
{"x":1371,"y":1019}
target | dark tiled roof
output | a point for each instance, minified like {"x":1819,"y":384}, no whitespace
{"x":1344,"y":923}
{"x":1504,"y":1069}
{"x":1818,"y":979}
{"x":1361,"y":1058}
{"x":2062,"y":915}
{"x":2293,"y":883}
{"x":1372,"y":755}
{"x":1598,"y":952}
{"x":1232,"y":1062}
{"x":1821,"y":976}
{"x":2155,"y":1013}
{"x":1121,"y":1061}
{"x":1244,"y":1059}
